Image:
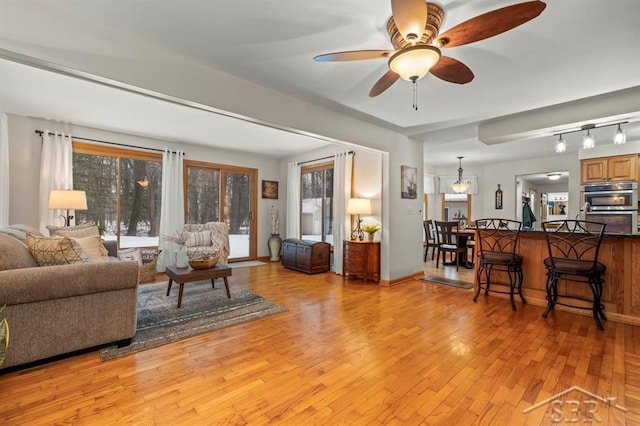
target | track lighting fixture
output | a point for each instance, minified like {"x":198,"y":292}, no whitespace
{"x":620,"y":136}
{"x":561,"y":145}
{"x":589,"y":141}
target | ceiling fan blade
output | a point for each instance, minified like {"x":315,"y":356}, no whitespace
{"x":384,"y":83}
{"x":491,"y":23}
{"x":410,"y":17}
{"x":452,"y":70}
{"x":354,"y":55}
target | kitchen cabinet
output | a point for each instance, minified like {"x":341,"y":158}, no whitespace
{"x":617,"y":168}
{"x":361,"y":259}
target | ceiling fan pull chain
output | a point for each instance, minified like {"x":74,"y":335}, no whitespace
{"x":415,"y":95}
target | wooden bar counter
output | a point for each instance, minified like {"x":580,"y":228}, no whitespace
{"x":621,"y":288}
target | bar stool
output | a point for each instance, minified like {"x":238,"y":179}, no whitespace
{"x":574,"y":246}
{"x":497,"y":240}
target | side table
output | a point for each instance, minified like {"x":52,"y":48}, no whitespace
{"x":361,"y":259}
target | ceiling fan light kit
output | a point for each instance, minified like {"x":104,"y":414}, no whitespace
{"x":413,"y":63}
{"x":414,"y":32}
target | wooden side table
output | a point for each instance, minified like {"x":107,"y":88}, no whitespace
{"x":361,"y":259}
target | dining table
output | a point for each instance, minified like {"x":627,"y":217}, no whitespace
{"x":463,"y":235}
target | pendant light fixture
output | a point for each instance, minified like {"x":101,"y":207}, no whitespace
{"x":459,"y":187}
{"x":561,"y":145}
{"x":620,"y":136}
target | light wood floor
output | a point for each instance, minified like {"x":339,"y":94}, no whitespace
{"x":347,"y":353}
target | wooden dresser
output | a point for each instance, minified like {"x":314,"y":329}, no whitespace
{"x":361,"y":259}
{"x":307,"y":256}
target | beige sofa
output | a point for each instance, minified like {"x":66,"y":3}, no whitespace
{"x":53,"y":310}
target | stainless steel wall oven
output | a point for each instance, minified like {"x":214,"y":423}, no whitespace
{"x":613,"y":203}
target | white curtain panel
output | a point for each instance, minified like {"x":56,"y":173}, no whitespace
{"x":429,"y":183}
{"x":172,"y":208}
{"x":446,"y":181}
{"x":293,"y":201}
{"x":4,"y":171}
{"x":342,"y":165}
{"x":55,"y":173}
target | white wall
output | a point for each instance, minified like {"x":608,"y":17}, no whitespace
{"x":118,"y":57}
{"x":25,"y":148}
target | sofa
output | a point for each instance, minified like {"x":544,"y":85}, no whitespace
{"x":208,"y":238}
{"x":53,"y":310}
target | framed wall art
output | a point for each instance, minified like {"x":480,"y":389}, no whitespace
{"x":409,"y":182}
{"x":270,"y":189}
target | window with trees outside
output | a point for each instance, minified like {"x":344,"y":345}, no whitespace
{"x":123,"y":190}
{"x":223,"y":193}
{"x":317,"y":202}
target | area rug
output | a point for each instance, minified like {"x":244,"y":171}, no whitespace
{"x":203,"y":309}
{"x":448,"y":281}
{"x":245,"y":264}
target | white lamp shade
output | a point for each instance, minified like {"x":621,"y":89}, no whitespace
{"x":413,"y":63}
{"x":460,"y":187}
{"x":359,"y":206}
{"x":67,"y":199}
{"x":620,"y":137}
{"x":588,"y":141}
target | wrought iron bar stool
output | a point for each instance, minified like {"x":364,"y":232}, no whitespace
{"x":496,"y":243}
{"x":574,"y":246}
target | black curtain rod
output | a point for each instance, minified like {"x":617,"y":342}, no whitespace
{"x":323,"y":158}
{"x":40,"y":132}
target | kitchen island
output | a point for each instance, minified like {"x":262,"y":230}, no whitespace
{"x":621,"y":288}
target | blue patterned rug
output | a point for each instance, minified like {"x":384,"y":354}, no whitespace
{"x":203,"y":309}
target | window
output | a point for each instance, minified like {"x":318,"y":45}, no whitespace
{"x":222,"y":193}
{"x":123,"y":192}
{"x":317,"y":202}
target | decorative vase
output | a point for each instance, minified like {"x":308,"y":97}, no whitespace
{"x":182,"y":260}
{"x":275,"y":245}
{"x":369,"y":237}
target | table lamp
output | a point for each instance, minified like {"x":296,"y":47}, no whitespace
{"x":358,"y":206}
{"x":67,"y":199}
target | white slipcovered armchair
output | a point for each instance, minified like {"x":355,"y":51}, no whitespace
{"x":208,"y":237}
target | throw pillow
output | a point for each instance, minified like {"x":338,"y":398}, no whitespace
{"x":90,"y":248}
{"x":78,"y":231}
{"x":199,"y":239}
{"x":53,"y":251}
{"x":14,"y":254}
{"x":130,"y":254}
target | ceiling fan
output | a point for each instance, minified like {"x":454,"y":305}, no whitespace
{"x":414,"y":33}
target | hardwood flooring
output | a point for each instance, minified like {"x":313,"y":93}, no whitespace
{"x":348,"y":353}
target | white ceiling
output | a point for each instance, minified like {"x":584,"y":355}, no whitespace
{"x":575,"y":49}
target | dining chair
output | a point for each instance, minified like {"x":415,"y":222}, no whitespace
{"x":497,"y":241}
{"x":429,"y":239}
{"x":574,"y":246}
{"x":447,"y":243}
